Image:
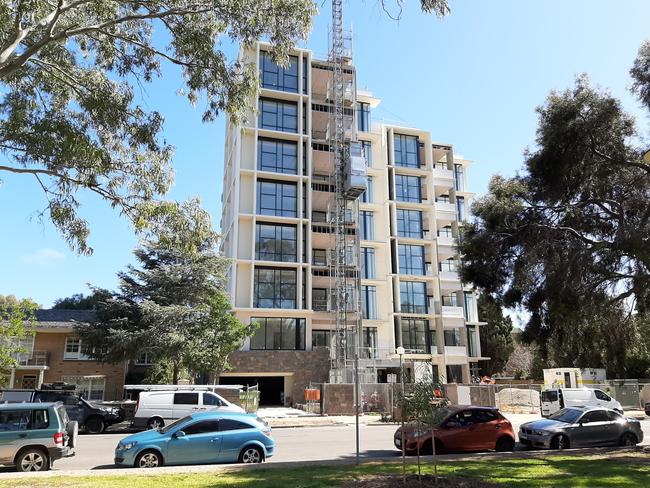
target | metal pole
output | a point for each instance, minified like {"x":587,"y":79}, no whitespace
{"x":401,"y":376}
{"x":358,"y":396}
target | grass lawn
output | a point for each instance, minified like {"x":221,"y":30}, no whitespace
{"x":628,"y":470}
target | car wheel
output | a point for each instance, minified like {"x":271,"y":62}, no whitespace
{"x":251,"y":455}
{"x":560,"y":442}
{"x":94,"y":425}
{"x":148,"y":459}
{"x":155,"y":423}
{"x":72,"y":429}
{"x":505,"y":444}
{"x":32,"y":460}
{"x":628,"y":439}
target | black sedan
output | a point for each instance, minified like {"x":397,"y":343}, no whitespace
{"x":581,"y":427}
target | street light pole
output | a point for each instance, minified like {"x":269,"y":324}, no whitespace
{"x":401,"y":351}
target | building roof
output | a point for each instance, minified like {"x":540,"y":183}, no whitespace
{"x":62,"y":318}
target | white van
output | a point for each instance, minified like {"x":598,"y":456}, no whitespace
{"x":557,"y":398}
{"x":156,"y":408}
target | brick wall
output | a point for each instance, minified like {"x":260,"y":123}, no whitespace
{"x":305,"y":366}
{"x":54,"y":342}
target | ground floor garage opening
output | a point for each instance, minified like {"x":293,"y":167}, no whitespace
{"x":271,"y":387}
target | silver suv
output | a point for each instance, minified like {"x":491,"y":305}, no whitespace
{"x":34,"y":435}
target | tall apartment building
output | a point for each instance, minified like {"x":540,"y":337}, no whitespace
{"x":276,"y":227}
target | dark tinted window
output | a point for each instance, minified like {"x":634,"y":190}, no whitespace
{"x":230,"y":424}
{"x":13,"y":420}
{"x":186,"y":398}
{"x":202,"y":427}
{"x":212,"y":399}
{"x":549,"y":396}
{"x":614,"y":416}
{"x":40,"y":420}
{"x":461,"y":419}
{"x":482,"y":416}
{"x":567,"y":415}
{"x":595,"y":416}
{"x":601,"y":395}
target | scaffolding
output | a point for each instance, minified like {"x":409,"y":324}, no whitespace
{"x":344,"y":273}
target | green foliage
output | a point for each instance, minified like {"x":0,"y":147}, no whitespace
{"x":15,"y":325}
{"x":567,"y":239}
{"x":69,"y":115}
{"x":79,"y":301}
{"x":496,"y":336}
{"x":172,"y":306}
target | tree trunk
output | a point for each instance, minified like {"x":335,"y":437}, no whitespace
{"x":175,"y":373}
{"x":435,"y":458}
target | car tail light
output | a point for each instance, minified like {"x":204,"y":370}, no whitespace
{"x":137,"y":404}
{"x":58,"y":439}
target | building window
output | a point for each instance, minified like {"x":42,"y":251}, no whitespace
{"x":443,"y":199}
{"x":275,"y":242}
{"x":89,"y":387}
{"x":278,"y":334}
{"x":458,"y":177}
{"x":144,"y":359}
{"x":413,"y":297}
{"x":74,"y":349}
{"x":276,"y":115}
{"x":411,"y":260}
{"x":321,"y":338}
{"x":470,"y":311}
{"x":408,"y":189}
{"x":407,"y":151}
{"x":460,"y":208}
{"x":369,"y":302}
{"x":277,"y":156}
{"x":319,"y":299}
{"x":275,"y":288}
{"x":366,"y":196}
{"x":363,"y":116}
{"x":409,"y":223}
{"x":367,"y":227}
{"x":449,"y":300}
{"x":452,"y":337}
{"x":445,"y":232}
{"x":305,"y":75}
{"x":454,"y":373}
{"x":276,"y":77}
{"x":274,"y":198}
{"x":369,"y":348}
{"x":449,"y":265}
{"x":319,"y":257}
{"x":366,"y":147}
{"x":414,"y":335}
{"x":367,"y":263}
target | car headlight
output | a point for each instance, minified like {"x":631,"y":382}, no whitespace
{"x":541,"y":432}
{"x":421,"y":433}
{"x":127,"y":446}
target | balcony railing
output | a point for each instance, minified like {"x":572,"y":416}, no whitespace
{"x":37,"y":358}
{"x":455,"y":351}
{"x":445,"y":207}
{"x":452,"y":311}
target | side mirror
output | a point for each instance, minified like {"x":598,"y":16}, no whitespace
{"x":178,"y":434}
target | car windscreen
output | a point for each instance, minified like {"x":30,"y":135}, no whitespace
{"x":176,"y":423}
{"x":566,"y":415}
{"x":549,"y":396}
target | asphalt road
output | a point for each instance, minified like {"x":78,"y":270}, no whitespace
{"x":293,"y":444}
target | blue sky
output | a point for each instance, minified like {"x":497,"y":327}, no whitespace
{"x":473,"y":79}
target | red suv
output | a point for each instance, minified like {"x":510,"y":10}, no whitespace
{"x":463,"y":428}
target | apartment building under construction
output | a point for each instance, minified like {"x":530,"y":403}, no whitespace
{"x":277,"y":227}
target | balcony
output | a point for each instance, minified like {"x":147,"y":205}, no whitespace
{"x":37,"y":358}
{"x":446,"y":240}
{"x":455,"y":351}
{"x":452,"y":312}
{"x":442,"y":173}
{"x":447,"y":208}
{"x":449,"y":276}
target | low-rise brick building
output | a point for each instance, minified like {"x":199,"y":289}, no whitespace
{"x":56,"y":353}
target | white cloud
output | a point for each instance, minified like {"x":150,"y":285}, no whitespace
{"x":42,"y":256}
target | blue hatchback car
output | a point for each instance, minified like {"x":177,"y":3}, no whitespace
{"x":201,"y":438}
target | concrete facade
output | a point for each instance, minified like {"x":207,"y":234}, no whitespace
{"x":277,"y":168}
